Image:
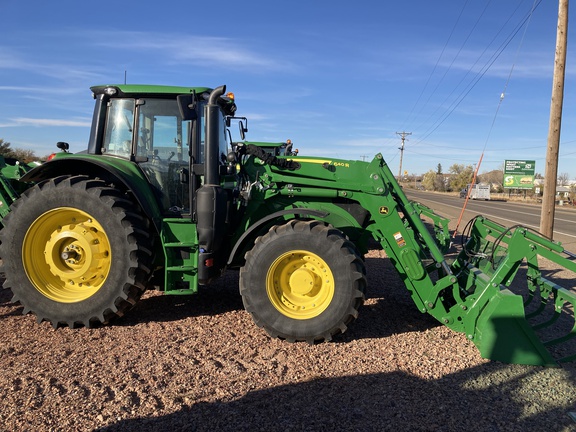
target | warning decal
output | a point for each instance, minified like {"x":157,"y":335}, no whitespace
{"x":399,"y":239}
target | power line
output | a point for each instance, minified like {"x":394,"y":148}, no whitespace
{"x":437,"y":64}
{"x":480,"y":74}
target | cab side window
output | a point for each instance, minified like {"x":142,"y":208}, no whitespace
{"x":119,"y":128}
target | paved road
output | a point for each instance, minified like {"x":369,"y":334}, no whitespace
{"x":506,"y":213}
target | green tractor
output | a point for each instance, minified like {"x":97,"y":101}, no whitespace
{"x":162,"y":198}
{"x":11,"y":171}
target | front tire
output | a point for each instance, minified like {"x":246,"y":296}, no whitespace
{"x":303,"y":281}
{"x":75,"y":252}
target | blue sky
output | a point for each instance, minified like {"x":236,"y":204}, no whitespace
{"x":340,"y":79}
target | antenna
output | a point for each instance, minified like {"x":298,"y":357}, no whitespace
{"x":125,"y":73}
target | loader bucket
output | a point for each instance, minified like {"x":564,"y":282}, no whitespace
{"x":515,"y":312}
{"x":503,"y":334}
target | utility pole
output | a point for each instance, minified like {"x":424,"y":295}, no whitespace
{"x":551,"y":169}
{"x":403,"y":137}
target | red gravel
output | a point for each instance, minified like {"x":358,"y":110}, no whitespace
{"x":199,"y":363}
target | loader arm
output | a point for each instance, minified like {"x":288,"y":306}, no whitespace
{"x":481,"y":293}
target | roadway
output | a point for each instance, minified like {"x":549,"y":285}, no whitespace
{"x":503,"y":212}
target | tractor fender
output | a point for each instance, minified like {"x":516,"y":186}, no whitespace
{"x":122,"y":173}
{"x":255,"y":227}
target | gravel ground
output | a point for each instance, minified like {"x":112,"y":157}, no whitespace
{"x":200,"y":364}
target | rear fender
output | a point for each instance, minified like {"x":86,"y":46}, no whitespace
{"x":123,"y":174}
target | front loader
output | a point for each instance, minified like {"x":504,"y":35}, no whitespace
{"x":163,"y":199}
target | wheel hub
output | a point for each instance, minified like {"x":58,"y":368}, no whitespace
{"x":300,"y":284}
{"x":75,"y":258}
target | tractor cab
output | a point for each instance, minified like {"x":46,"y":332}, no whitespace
{"x":163,"y":130}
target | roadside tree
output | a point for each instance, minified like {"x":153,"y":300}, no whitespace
{"x":461,"y":175}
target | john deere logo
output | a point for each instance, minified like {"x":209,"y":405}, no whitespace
{"x":384,"y":210}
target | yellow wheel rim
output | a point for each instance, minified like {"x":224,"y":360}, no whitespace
{"x":66,"y":255}
{"x":300,"y":284}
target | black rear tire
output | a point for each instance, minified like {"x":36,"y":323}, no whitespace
{"x":303,"y":281}
{"x":75,"y":252}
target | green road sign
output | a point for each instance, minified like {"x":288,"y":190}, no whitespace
{"x":519,"y":174}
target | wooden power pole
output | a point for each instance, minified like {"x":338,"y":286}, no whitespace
{"x":553,"y":148}
{"x":403,"y":137}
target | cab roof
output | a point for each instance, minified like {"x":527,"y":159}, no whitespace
{"x":141,"y":90}
{"x":162,"y":91}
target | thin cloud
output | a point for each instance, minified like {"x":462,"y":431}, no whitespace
{"x":9,"y":60}
{"x":31,"y":91}
{"x":20,"y":88}
{"x":190,"y":49}
{"x":22,"y":121}
{"x":63,"y":72}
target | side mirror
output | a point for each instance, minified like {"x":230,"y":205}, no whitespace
{"x":243,"y":130}
{"x":63,"y":146}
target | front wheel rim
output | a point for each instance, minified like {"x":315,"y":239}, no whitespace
{"x":300,"y":284}
{"x":66,"y":255}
